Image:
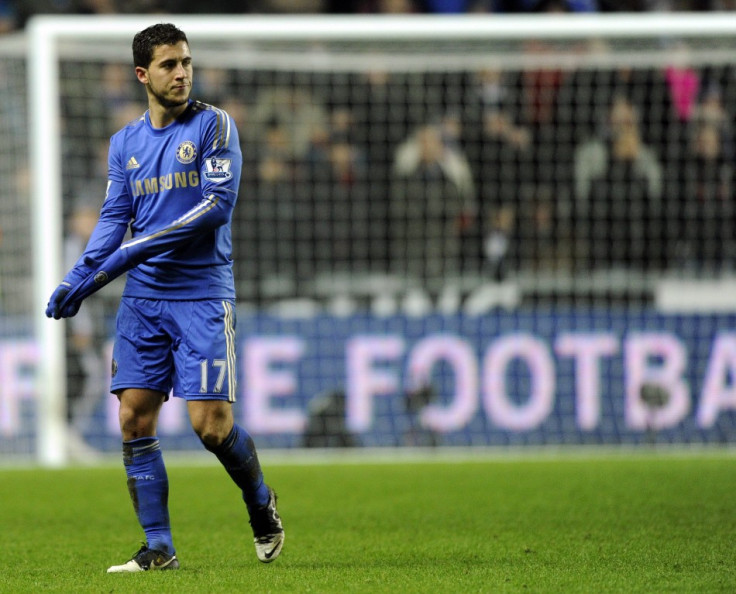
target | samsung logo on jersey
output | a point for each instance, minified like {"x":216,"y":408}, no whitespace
{"x":153,"y":185}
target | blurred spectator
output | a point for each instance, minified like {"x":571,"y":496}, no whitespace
{"x":161,"y":6}
{"x":29,"y":8}
{"x":626,"y":5}
{"x":381,"y":110}
{"x":527,"y":6}
{"x":295,"y":110}
{"x":97,"y":7}
{"x":337,"y":173}
{"x":711,"y":111}
{"x":577,"y":6}
{"x":681,"y":5}
{"x":284,"y":121}
{"x":588,"y":94}
{"x":540,"y":91}
{"x":541,"y":96}
{"x":683,"y":83}
{"x":385,"y":6}
{"x":499,"y":150}
{"x":447,"y":6}
{"x":622,"y":137}
{"x":287,"y":6}
{"x":618,"y":189}
{"x":279,"y":215}
{"x":252,"y":6}
{"x":433,"y":195}
{"x":703,"y":182}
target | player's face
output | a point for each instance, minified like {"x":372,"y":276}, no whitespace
{"x":169,"y":75}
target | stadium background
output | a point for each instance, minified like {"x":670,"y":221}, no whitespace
{"x":461,"y":241}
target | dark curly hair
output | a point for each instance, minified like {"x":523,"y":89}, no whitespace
{"x":145,"y":42}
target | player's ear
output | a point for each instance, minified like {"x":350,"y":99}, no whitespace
{"x":142,"y":74}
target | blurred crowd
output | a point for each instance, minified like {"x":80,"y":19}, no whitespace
{"x":431,"y":175}
{"x":15,"y":13}
{"x":441,"y":173}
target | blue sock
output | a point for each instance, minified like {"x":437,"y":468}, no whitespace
{"x":238,"y":455}
{"x":148,"y":485}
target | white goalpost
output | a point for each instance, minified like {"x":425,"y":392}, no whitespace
{"x":345,"y":48}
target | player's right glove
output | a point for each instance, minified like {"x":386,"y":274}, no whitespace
{"x":63,"y":303}
{"x":102,"y":273}
{"x":55,"y":309}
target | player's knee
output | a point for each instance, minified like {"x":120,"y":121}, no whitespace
{"x":212,"y":435}
{"x":138,"y":412}
{"x":211,"y":429}
{"x":134,"y":425}
{"x":211,"y":421}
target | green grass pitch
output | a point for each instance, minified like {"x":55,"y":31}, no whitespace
{"x":601,"y":523}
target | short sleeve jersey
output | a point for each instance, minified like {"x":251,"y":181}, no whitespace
{"x":157,"y":178}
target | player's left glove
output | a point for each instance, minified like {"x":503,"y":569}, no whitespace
{"x":57,"y":308}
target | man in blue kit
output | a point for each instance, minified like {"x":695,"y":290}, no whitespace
{"x":173,"y":179}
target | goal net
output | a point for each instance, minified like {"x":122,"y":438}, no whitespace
{"x":17,"y":351}
{"x":450,"y":232}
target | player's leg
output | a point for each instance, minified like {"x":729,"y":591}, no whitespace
{"x":213,"y":422}
{"x":148,"y":483}
{"x":142,"y":369}
{"x":205,"y":376}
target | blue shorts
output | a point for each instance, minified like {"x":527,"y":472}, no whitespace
{"x":185,"y":345}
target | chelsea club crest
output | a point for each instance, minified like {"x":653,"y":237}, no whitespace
{"x":187,"y":152}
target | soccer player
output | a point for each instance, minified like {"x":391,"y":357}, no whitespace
{"x":173,"y":179}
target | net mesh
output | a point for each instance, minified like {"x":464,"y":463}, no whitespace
{"x":15,"y":263}
{"x":16,"y":348}
{"x":406,"y":164}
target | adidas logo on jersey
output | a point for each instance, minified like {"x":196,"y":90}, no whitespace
{"x":132,"y":164}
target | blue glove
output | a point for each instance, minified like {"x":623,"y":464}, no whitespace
{"x":75,"y":295}
{"x":56,"y":307}
{"x":63,"y":303}
{"x":109,"y":270}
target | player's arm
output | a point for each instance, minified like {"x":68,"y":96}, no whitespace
{"x":220,"y":175}
{"x":106,"y":237}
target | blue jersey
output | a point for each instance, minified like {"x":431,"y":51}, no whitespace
{"x":175,"y":188}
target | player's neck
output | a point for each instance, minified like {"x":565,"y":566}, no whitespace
{"x":161,"y":116}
